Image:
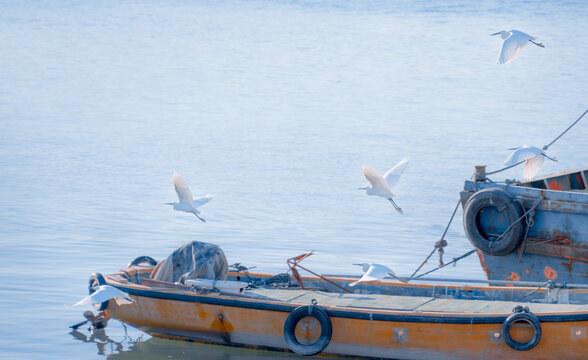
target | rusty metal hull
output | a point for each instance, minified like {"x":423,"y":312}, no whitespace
{"x":556,"y":243}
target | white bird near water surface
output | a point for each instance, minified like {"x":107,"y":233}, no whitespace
{"x":105,"y":293}
{"x":514,"y":43}
{"x":186,"y":202}
{"x":374,"y":272}
{"x":382,"y":185}
{"x":532,"y":156}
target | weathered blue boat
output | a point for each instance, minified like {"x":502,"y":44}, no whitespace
{"x":534,"y":230}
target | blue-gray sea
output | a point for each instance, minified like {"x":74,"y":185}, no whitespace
{"x":273,"y":107}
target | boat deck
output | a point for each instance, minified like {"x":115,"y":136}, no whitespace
{"x":404,"y":303}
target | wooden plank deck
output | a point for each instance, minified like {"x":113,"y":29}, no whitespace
{"x":406,"y":303}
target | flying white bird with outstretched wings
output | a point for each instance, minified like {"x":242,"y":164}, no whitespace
{"x":532,"y":156}
{"x":382,"y":185}
{"x":105,"y":293}
{"x":186,"y":202}
{"x":514,"y":43}
{"x":374,"y":272}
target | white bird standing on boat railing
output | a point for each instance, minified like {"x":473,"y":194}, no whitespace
{"x":514,"y":43}
{"x":532,"y":156}
{"x":382,"y":185}
{"x":186,"y":202}
{"x":374,"y":272}
{"x":105,"y":293}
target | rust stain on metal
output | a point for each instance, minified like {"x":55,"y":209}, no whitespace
{"x":550,"y":273}
{"x":528,"y":271}
{"x":554,"y":185}
{"x":482,"y":262}
{"x":514,"y":276}
{"x":568,"y":265}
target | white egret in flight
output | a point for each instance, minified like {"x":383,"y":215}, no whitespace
{"x":514,"y":43}
{"x":532,"y":156}
{"x":186,"y":202}
{"x":105,"y":293}
{"x":374,"y":272}
{"x":382,"y":185}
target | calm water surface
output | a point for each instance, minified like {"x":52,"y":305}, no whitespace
{"x":272,"y":107}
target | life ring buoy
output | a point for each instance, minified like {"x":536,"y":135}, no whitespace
{"x":506,"y":209}
{"x":96,"y":279}
{"x":524,"y":316}
{"x":143,"y":259}
{"x":326,"y":329}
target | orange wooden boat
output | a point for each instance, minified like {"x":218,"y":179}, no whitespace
{"x":388,"y":319}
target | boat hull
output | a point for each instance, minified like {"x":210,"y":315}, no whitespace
{"x":554,"y":245}
{"x":240,"y":321}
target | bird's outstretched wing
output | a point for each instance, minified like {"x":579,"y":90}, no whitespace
{"x":393,"y":175}
{"x":201,"y":200}
{"x":376,"y":272}
{"x":375,"y":179}
{"x":513,"y":46}
{"x":521,"y":154}
{"x":183,"y":190}
{"x":104,"y":293}
{"x":532,"y":167}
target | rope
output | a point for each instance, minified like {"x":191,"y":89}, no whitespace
{"x":449,"y":263}
{"x":506,"y":168}
{"x":439,"y":245}
{"x":530,"y":223}
{"x":524,"y":216}
{"x":455,"y":260}
{"x":565,"y":131}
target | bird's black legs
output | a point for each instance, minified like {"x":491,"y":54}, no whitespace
{"x":201,"y":219}
{"x":540,"y":44}
{"x":395,"y":206}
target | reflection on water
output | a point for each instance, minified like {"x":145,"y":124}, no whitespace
{"x":104,"y":344}
{"x":137,"y":345}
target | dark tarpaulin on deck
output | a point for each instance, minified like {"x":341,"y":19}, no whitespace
{"x":193,"y":260}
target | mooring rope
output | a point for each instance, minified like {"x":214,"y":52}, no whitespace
{"x":524,"y":216}
{"x":449,"y":263}
{"x":506,"y":168}
{"x":565,"y":131}
{"x":439,"y":245}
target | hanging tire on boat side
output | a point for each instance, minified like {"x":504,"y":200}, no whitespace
{"x":143,"y":259}
{"x":527,"y":317}
{"x":326,"y":329}
{"x":510,"y":211}
{"x":96,"y":279}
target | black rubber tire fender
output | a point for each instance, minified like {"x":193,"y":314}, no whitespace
{"x":143,"y":259}
{"x":96,"y":279}
{"x":326,"y":330}
{"x":526,"y":317}
{"x":511,"y":210}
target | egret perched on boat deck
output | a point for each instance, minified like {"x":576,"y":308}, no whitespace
{"x":374,"y":272}
{"x":514,"y":43}
{"x":187,"y":203}
{"x":532,"y":156}
{"x":105,"y":293}
{"x":382,"y":185}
